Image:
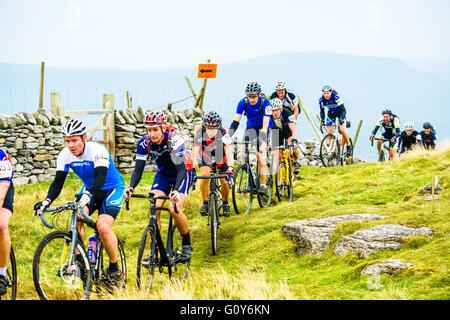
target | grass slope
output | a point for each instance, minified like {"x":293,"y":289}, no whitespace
{"x":255,"y":261}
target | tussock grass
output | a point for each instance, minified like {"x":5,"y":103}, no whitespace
{"x":255,"y":261}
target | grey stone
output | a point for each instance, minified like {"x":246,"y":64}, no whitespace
{"x":391,"y":267}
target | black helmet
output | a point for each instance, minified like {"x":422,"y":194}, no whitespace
{"x":427,"y":125}
{"x":212,"y":119}
{"x":388,"y":111}
{"x":253,"y":88}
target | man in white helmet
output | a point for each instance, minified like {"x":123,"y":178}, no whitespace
{"x":408,"y":138}
{"x":289,"y":99}
{"x":102,"y":190}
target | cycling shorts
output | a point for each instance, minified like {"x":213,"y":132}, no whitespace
{"x":278,"y":137}
{"x":392,"y":145}
{"x":331,"y":117}
{"x":251,"y":134}
{"x":106,"y":201}
{"x":8,"y":202}
{"x":165,"y":184}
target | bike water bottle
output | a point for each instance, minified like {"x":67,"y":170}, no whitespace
{"x":92,"y":249}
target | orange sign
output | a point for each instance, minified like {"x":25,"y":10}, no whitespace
{"x":207,"y":70}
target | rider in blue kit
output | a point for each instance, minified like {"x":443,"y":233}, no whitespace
{"x":174,"y":174}
{"x":253,"y":106}
{"x":6,"y":211}
{"x":429,"y":137}
{"x":102,"y":189}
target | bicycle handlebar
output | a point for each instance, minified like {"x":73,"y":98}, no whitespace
{"x":150,"y":196}
{"x":72,"y":205}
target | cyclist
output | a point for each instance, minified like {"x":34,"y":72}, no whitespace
{"x":253,"y":106}
{"x":429,"y":137}
{"x":282,"y":125}
{"x":102,"y":188}
{"x":6,"y":210}
{"x":289,"y":99}
{"x":391,"y":126}
{"x":408,"y":138}
{"x":336,"y":112}
{"x":174,"y":172}
{"x":213,"y":147}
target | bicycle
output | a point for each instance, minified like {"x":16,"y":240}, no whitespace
{"x":384,"y":154}
{"x":11,"y":278}
{"x":332,"y":148}
{"x":56,"y":272}
{"x":214,"y":204}
{"x":152,"y":252}
{"x":246,"y":185}
{"x":284,"y":174}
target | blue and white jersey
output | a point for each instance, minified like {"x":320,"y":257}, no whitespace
{"x":95,"y":155}
{"x":428,"y":140}
{"x":6,"y":167}
{"x":335,"y":103}
{"x":255,"y":114}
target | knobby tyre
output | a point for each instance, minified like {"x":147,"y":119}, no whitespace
{"x":178,"y":272}
{"x":55,"y":278}
{"x":330,"y":151}
{"x":264,"y":200}
{"x":102,"y":279}
{"x":213,"y":222}
{"x":242,"y":191}
{"x":11,"y":278}
{"x":147,"y":259}
{"x":282,"y":181}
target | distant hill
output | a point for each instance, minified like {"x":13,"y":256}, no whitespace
{"x":367,"y":84}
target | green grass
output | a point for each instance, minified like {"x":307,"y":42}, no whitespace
{"x":255,"y":261}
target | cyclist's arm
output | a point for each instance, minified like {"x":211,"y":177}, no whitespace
{"x":177,"y":155}
{"x":99,"y":179}
{"x":4,"y":186}
{"x":137,"y":173}
{"x":293,"y":128}
{"x":322,"y":111}
{"x":57,"y":185}
{"x":195,"y":151}
{"x":237,"y":118}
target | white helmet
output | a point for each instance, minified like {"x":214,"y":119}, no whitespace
{"x":409,"y":126}
{"x":276,"y":104}
{"x":73,"y":127}
{"x":280,"y":85}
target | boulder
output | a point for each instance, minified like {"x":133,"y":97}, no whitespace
{"x":313,"y":236}
{"x":381,"y":237}
{"x":390,"y":267}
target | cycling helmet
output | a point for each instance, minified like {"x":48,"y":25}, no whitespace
{"x":327,"y":88}
{"x":212,"y":119}
{"x":73,"y":127}
{"x":427,"y":125}
{"x":276,"y":104}
{"x":253,"y":88}
{"x":386,"y":111}
{"x":280,"y":85}
{"x":409,"y":126}
{"x":154,"y":119}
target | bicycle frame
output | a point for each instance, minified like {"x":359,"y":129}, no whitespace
{"x":251,"y":166}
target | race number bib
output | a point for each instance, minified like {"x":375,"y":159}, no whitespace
{"x":6,"y":169}
{"x":101,"y":160}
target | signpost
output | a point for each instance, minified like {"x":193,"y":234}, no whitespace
{"x":205,"y":71}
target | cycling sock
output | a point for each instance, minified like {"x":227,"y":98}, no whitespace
{"x":113,"y":266}
{"x":186,"y":239}
{"x":205,"y":201}
{"x":3,"y":272}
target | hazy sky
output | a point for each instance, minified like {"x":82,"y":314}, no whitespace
{"x":174,"y":33}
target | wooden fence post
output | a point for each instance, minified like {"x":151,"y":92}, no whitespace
{"x":55,"y":104}
{"x":41,"y":92}
{"x":109,"y":132}
{"x":194,"y":94}
{"x":309,"y":118}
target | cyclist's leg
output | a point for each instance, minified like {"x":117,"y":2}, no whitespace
{"x":107,"y":213}
{"x":160,"y":187}
{"x":380,"y":143}
{"x":205,"y":170}
{"x":6,"y":210}
{"x":329,"y":121}
{"x":261,"y":158}
{"x":179,"y":218}
{"x":224,"y":187}
{"x":343,"y":126}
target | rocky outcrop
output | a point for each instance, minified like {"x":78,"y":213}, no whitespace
{"x":390,"y":267}
{"x":381,"y":237}
{"x":313,"y":236}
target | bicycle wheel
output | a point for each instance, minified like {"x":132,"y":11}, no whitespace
{"x":54,"y":276}
{"x":345,"y":159}
{"x":213,"y":212}
{"x":242,"y":191}
{"x":330,"y":151}
{"x":281,"y":183}
{"x":147,"y":259}
{"x":101,"y":278}
{"x":264,"y":200}
{"x":11,"y":278}
{"x":177,"y":272}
